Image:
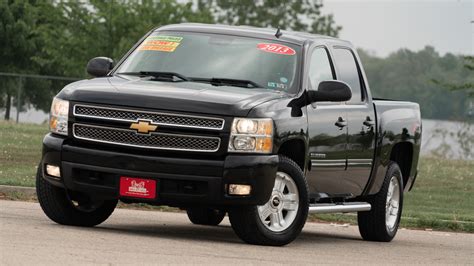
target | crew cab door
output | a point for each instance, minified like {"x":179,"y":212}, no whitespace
{"x":361,"y":122}
{"x":327,"y":130}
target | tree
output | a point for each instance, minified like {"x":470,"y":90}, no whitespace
{"x":18,"y":44}
{"x":464,"y":133}
{"x":468,"y":86}
{"x":296,"y":15}
{"x":123,"y":23}
{"x":408,"y":75}
{"x":58,"y":38}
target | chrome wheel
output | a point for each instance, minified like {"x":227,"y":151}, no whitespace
{"x":392,"y":204}
{"x":280,"y":211}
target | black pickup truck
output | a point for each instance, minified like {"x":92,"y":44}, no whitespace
{"x":264,"y":125}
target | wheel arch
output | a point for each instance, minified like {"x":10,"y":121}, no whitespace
{"x":295,"y":149}
{"x":402,"y":154}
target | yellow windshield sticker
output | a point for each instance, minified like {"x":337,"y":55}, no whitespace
{"x":160,"y":43}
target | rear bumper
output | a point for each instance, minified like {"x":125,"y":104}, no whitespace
{"x":180,"y":182}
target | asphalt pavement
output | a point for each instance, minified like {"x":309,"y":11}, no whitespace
{"x":28,"y":237}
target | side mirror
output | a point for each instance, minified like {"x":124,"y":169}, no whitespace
{"x":331,"y":91}
{"x":100,"y":66}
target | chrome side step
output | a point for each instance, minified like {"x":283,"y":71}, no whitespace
{"x":341,"y":207}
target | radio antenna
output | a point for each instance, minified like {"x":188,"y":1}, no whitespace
{"x":278,"y":33}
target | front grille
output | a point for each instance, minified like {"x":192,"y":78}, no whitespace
{"x":165,"y":119}
{"x":154,"y":140}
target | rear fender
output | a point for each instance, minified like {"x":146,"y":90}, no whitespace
{"x":399,"y":140}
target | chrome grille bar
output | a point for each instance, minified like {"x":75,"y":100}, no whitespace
{"x":163,"y":119}
{"x":155,"y":140}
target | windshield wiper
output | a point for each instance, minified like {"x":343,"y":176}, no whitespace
{"x":162,"y":76}
{"x":228,"y":82}
{"x":172,"y":76}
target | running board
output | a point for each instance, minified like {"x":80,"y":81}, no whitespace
{"x":341,"y":207}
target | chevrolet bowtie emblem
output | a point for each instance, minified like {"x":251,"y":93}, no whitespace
{"x":143,"y":127}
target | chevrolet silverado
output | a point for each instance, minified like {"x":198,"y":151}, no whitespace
{"x":264,"y":125}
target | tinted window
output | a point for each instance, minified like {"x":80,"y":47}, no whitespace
{"x":269,"y":63}
{"x":347,"y":67}
{"x":320,"y":68}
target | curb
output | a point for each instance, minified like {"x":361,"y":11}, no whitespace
{"x":26,"y":191}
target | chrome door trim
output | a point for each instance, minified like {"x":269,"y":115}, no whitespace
{"x":359,"y":162}
{"x":328,"y":163}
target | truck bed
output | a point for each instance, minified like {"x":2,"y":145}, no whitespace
{"x":399,"y":125}
{"x":405,"y":114}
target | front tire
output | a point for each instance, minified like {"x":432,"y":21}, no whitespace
{"x":281,"y":219}
{"x":205,"y":216}
{"x":382,"y":221}
{"x":69,"y":208}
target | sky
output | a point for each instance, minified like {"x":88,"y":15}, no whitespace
{"x":385,"y":26}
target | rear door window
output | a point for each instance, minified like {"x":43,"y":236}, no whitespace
{"x":349,"y":73}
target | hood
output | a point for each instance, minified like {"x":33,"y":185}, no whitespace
{"x":178,"y":96}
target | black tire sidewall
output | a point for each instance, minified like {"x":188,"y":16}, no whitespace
{"x":205,"y":216}
{"x":373,"y":224}
{"x":394,"y":171}
{"x":56,"y":204}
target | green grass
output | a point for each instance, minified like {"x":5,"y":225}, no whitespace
{"x":443,"y":192}
{"x":442,"y":198}
{"x":20,"y":152}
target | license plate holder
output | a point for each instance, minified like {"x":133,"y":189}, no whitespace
{"x":135,"y":187}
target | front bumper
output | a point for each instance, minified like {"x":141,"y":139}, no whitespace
{"x":181,"y":182}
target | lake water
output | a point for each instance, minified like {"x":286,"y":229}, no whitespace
{"x":439,"y":137}
{"x":443,"y":138}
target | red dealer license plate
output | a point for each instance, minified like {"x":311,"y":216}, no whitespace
{"x":137,"y":187}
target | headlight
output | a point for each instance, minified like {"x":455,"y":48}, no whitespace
{"x":58,"y":116}
{"x":251,"y":135}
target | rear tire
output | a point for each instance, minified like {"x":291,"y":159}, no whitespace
{"x":205,"y":216}
{"x":78,"y":210}
{"x":382,"y":221}
{"x":281,"y":219}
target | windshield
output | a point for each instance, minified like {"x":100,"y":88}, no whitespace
{"x":197,"y":56}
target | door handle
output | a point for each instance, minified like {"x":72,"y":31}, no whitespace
{"x":341,"y":123}
{"x":369,"y":122}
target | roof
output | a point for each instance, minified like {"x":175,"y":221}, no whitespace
{"x":267,"y":33}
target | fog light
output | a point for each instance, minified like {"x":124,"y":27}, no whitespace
{"x":242,"y":190}
{"x":53,"y":170}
